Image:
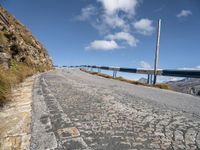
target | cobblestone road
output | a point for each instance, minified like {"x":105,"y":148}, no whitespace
{"x":75,"y":110}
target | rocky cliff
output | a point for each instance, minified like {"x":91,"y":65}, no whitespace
{"x":21,"y":54}
{"x":19,"y":45}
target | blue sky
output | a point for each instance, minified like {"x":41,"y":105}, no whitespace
{"x":114,"y":32}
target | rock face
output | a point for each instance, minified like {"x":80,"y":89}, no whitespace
{"x":189,"y":86}
{"x":17,"y":42}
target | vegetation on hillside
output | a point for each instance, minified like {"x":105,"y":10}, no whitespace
{"x":14,"y":75}
{"x":21,"y":54}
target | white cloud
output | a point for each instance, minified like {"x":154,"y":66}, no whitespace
{"x":131,"y":40}
{"x":113,"y":6}
{"x":184,"y":13}
{"x":103,"y":45}
{"x":110,"y":17}
{"x":86,"y":13}
{"x":102,"y":28}
{"x":106,"y":23}
{"x":198,"y":67}
{"x":114,"y":15}
{"x":145,"y":65}
{"x":144,"y":26}
{"x":115,"y":21}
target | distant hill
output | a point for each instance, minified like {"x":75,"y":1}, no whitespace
{"x":187,"y":85}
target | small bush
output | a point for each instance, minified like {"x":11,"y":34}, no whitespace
{"x":41,"y":68}
{"x":27,"y":60}
{"x":21,"y":70}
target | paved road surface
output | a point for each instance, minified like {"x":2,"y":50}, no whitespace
{"x":76,"y":110}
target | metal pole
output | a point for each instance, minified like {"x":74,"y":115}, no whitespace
{"x":148,"y":79}
{"x":157,"y":51}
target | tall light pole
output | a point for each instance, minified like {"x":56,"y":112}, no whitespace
{"x":157,"y":51}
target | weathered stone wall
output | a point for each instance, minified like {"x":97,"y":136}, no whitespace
{"x":18,"y":43}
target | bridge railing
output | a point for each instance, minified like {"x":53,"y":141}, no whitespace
{"x":149,"y":72}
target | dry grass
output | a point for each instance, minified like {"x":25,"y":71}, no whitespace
{"x":163,"y":86}
{"x":6,"y":79}
{"x":3,"y":39}
{"x":10,"y":77}
{"x":160,"y":85}
{"x":14,"y":75}
{"x":27,"y":39}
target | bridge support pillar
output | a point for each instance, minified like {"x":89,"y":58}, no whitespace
{"x":114,"y":74}
{"x":148,"y":79}
{"x":151,"y":79}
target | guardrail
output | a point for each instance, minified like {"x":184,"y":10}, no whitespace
{"x":149,"y":72}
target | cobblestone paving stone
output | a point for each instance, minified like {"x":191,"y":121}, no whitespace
{"x":77,"y":113}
